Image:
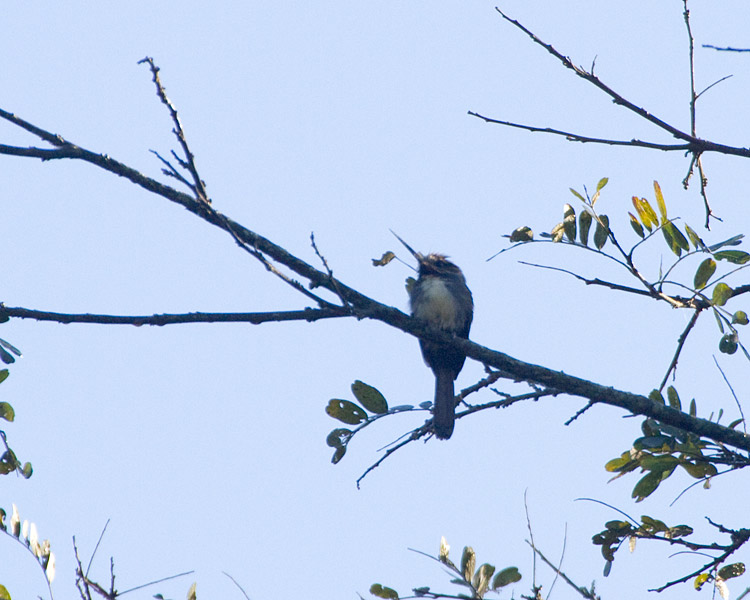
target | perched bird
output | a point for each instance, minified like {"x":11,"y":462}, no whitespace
{"x":440,"y":297}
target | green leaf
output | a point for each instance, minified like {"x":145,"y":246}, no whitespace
{"x":7,"y":412}
{"x":370,"y":397}
{"x":728,"y":343}
{"x":27,"y":471}
{"x":602,"y":182}
{"x":733,"y":570}
{"x":602,"y":232}
{"x":674,"y":398}
{"x":584,"y":224}
{"x":660,"y":202}
{"x":4,"y":593}
{"x":468,"y":562}
{"x":569,"y":222}
{"x":675,"y":240}
{"x":506,"y":577}
{"x":721,"y":294}
{"x":339,"y":437}
{"x":647,"y":485}
{"x":637,"y":227}
{"x":739,"y":318}
{"x":607,"y":568}
{"x":705,"y":270}
{"x":6,"y":356}
{"x":346,"y":411}
{"x":4,"y":373}
{"x":381,"y":591}
{"x":619,"y":527}
{"x":522,"y":234}
{"x":736,"y":257}
{"x":557,"y":233}
{"x":679,"y":531}
{"x":653,"y":525}
{"x":658,"y":463}
{"x":693,"y":408}
{"x":694,"y":238}
{"x":699,"y":470}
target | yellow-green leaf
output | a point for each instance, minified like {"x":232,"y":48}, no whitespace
{"x":700,"y":580}
{"x":602,"y":232}
{"x":704,"y":272}
{"x":4,"y":593}
{"x":699,"y":470}
{"x":694,"y":238}
{"x":660,"y":202}
{"x":7,"y":412}
{"x":346,"y":411}
{"x":383,"y":260}
{"x":721,"y":294}
{"x":649,"y":213}
{"x":522,"y":234}
{"x":381,"y":591}
{"x":656,"y":396}
{"x":468,"y":562}
{"x":577,"y":195}
{"x":674,"y":398}
{"x":740,"y":318}
{"x":584,"y":224}
{"x":602,"y":182}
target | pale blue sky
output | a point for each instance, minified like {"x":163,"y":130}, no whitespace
{"x":204,"y":444}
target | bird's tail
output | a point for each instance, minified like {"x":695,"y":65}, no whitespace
{"x":444,"y":410}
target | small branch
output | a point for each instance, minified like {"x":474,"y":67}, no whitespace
{"x":198,"y":187}
{"x":731,"y":389}
{"x":694,"y":144}
{"x":576,"y":137}
{"x":680,"y":344}
{"x":256,"y":318}
{"x":726,"y":49}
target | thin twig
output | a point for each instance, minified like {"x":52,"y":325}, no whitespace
{"x":198,"y":186}
{"x":99,"y":541}
{"x":731,"y":389}
{"x":680,"y":345}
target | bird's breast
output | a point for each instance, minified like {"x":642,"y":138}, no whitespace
{"x":433,"y":301}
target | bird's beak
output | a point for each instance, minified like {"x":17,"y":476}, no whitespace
{"x":416,"y":255}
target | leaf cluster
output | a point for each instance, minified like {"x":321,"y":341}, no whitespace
{"x":371,"y":401}
{"x":663,"y":448}
{"x":478,"y":580}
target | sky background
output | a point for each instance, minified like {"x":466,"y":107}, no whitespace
{"x":204,"y":445}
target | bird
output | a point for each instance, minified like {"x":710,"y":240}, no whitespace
{"x":441,"y":297}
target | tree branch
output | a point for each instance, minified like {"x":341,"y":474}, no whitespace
{"x":255,"y":318}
